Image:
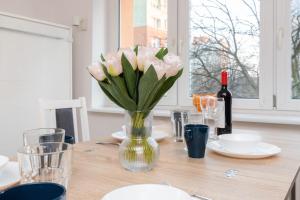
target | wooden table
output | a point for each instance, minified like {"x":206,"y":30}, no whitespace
{"x":96,"y":171}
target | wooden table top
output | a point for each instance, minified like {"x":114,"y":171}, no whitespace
{"x":96,"y":171}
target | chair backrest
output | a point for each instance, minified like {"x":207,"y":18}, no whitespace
{"x":62,"y":114}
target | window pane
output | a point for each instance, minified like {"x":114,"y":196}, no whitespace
{"x":225,"y":35}
{"x":295,"y":49}
{"x":143,"y":22}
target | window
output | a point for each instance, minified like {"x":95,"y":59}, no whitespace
{"x":288,"y":54}
{"x":155,"y":42}
{"x":258,"y":42}
{"x":224,"y":35}
{"x":145,"y":22}
{"x":235,"y":35}
{"x":156,"y":4}
{"x":157,"y":23}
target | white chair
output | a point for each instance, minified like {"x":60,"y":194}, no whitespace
{"x":51,"y":110}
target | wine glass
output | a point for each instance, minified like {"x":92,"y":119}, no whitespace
{"x":196,"y":102}
{"x":215,"y":115}
{"x":204,"y":107}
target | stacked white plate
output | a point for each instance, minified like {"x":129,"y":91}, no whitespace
{"x":247,"y":146}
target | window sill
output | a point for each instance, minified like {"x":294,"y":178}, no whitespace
{"x":267,"y":118}
{"x":273,"y":117}
{"x":113,"y":110}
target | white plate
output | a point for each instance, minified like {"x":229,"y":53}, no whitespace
{"x":157,"y":135}
{"x":3,"y":161}
{"x":9,"y":175}
{"x":147,"y":192}
{"x":262,"y":150}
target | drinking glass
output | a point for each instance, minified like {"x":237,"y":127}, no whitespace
{"x":204,"y":107}
{"x":215,"y":115}
{"x":46,"y":162}
{"x":195,"y":118}
{"x":179,"y":119}
{"x":42,"y":135}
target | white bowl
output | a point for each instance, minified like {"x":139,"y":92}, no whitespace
{"x":239,"y":143}
{"x":147,"y":192}
{"x":3,"y":161}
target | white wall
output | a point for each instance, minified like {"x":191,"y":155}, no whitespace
{"x":30,"y":76}
{"x":62,"y":12}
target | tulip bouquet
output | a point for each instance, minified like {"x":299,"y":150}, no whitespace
{"x":136,"y":79}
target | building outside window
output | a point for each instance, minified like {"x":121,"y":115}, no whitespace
{"x":141,"y":23}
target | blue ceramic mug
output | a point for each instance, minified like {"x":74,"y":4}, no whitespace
{"x":35,"y":191}
{"x":196,"y":136}
{"x":69,"y":139}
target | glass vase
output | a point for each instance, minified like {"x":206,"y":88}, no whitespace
{"x":139,"y":151}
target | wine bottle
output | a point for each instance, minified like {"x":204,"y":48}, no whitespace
{"x":226,"y":94}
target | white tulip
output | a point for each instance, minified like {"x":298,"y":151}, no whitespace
{"x":130,"y":55}
{"x":158,"y":65}
{"x":172,"y":59}
{"x":97,"y":72}
{"x":141,"y":61}
{"x":113,"y":64}
{"x":172,"y":70}
{"x":172,"y":64}
{"x":145,"y":53}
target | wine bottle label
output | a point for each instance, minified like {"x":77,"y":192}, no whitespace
{"x":220,"y":119}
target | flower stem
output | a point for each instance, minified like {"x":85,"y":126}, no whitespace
{"x":138,"y":138}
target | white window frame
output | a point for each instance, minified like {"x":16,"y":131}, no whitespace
{"x":170,"y":98}
{"x":274,"y":49}
{"x":105,"y":39}
{"x":284,"y":72}
{"x":107,"y":34}
{"x":265,"y":100}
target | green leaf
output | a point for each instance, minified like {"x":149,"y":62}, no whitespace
{"x":165,"y":52}
{"x":136,"y":49}
{"x":119,"y":91}
{"x":93,"y":76}
{"x":108,"y":92}
{"x":161,"y":53}
{"x":156,"y":91}
{"x":139,"y":74}
{"x":146,"y":85}
{"x":165,"y":87}
{"x":129,"y":75}
{"x":102,"y":58}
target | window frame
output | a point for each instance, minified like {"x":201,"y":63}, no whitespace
{"x":110,"y":40}
{"x":283,"y":58}
{"x":265,"y":100}
{"x":105,"y":32}
{"x":274,"y":16}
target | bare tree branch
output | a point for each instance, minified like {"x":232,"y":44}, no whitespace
{"x":221,"y":40}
